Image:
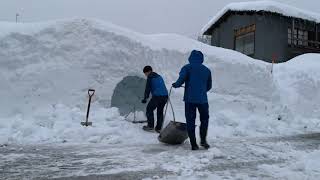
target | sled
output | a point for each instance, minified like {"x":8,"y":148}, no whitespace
{"x":175,"y":132}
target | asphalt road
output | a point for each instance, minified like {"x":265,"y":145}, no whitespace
{"x":227,"y":158}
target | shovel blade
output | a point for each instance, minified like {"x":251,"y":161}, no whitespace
{"x":86,"y":123}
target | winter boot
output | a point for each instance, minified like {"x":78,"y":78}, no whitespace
{"x":205,"y":144}
{"x":194,"y":147}
{"x":147,"y":128}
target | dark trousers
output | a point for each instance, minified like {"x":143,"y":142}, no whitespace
{"x":156,"y":102}
{"x":191,"y":113}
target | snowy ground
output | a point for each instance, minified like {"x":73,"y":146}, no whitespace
{"x":288,"y":157}
{"x":255,"y":116}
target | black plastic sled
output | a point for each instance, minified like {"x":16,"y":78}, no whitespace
{"x":174,"y":133}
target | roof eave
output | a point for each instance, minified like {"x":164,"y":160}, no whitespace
{"x":229,"y":12}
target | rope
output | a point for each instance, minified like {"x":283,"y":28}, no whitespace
{"x":169,"y":102}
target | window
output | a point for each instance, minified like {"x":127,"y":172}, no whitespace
{"x":295,"y":36}
{"x":289,"y":36}
{"x":244,"y":40}
{"x":245,"y":44}
{"x":300,"y":37}
{"x":305,"y":38}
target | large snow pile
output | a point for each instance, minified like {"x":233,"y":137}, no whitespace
{"x":46,"y":69}
{"x":298,"y":81}
{"x":267,"y":6}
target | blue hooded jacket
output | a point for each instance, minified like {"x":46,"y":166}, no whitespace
{"x":155,"y":85}
{"x":197,"y":79}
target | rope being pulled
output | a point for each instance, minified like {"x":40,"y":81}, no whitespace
{"x":169,"y":102}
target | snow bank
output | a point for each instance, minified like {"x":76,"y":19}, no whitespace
{"x":46,"y":69}
{"x":299,"y":84}
{"x":61,"y":124}
{"x":268,"y":6}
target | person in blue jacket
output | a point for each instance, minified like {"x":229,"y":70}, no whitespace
{"x":156,"y":86}
{"x":198,"y":81}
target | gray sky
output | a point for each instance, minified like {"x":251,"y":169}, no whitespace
{"x":184,"y":17}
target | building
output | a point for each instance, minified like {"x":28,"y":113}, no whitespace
{"x":265,"y":30}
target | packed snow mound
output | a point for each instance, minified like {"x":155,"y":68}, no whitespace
{"x":298,"y":81}
{"x":267,"y":6}
{"x":47,"y":68}
{"x":60,"y":61}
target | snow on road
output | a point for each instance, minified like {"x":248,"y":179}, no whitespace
{"x":286,"y":157}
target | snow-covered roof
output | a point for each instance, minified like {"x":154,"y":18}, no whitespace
{"x":268,"y":6}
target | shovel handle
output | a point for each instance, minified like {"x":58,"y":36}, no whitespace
{"x":91,"y":92}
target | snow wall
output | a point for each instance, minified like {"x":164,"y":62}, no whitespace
{"x":47,"y":68}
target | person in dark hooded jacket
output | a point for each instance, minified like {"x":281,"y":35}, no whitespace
{"x":156,"y":86}
{"x":198,"y":81}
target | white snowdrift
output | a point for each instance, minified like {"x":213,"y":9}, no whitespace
{"x":46,"y":69}
{"x":299,"y":84}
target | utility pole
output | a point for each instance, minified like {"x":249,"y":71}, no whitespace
{"x":17,"y":15}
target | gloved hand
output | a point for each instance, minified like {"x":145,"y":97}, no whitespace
{"x":174,"y":85}
{"x":144,"y":101}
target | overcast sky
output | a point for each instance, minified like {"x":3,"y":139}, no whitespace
{"x":184,"y":17}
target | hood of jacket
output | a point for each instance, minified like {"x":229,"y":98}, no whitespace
{"x":196,"y":57}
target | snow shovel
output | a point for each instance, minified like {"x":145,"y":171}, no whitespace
{"x":87,"y":123}
{"x":175,"y":132}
